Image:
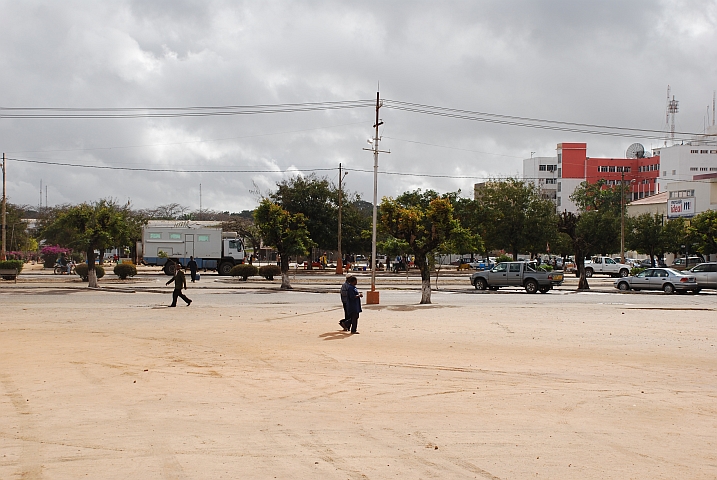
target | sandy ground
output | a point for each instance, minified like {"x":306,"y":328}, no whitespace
{"x":263,"y":384}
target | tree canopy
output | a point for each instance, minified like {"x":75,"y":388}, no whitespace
{"x":513,"y":215}
{"x":424,"y":221}
{"x":93,"y":226}
{"x":286,"y":232}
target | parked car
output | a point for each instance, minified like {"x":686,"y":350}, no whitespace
{"x":517,"y":274}
{"x":685,"y":264}
{"x":665,"y":279}
{"x":705,"y":274}
{"x":646,"y":263}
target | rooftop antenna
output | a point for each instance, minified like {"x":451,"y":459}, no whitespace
{"x":672,"y":109}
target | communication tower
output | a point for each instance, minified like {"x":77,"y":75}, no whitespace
{"x":671,"y":110}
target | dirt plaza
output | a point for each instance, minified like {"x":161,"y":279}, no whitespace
{"x":257,"y":383}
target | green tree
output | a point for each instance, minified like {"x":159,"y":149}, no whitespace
{"x":16,"y":229}
{"x":703,"y":231}
{"x":645,"y":234}
{"x":514,"y":216}
{"x":317,"y":200}
{"x":284,"y":231}
{"x":91,"y":226}
{"x":569,"y":225}
{"x":675,"y":235}
{"x":424,"y":220}
{"x":601,"y":228}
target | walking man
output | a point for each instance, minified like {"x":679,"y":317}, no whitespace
{"x":354,"y":304}
{"x":180,"y":282}
{"x":192,"y":268}
{"x":344,"y":301}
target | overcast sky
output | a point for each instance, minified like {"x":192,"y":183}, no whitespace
{"x":606,"y":62}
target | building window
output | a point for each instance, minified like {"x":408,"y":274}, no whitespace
{"x":175,"y":236}
{"x":202,"y":238}
{"x":603,"y":168}
{"x":541,"y":168}
{"x":693,"y":169}
{"x":551,"y":168}
{"x":713,"y":169}
{"x":694,"y":151}
{"x":673,"y":172}
{"x":155,"y":235}
{"x":704,"y":151}
{"x":550,"y":180}
{"x":560,"y":172}
{"x":560,"y":187}
{"x":626,"y":169}
{"x":713,"y":151}
{"x":619,"y":169}
{"x":560,"y":158}
{"x":611,"y":168}
{"x":703,"y":169}
{"x":559,"y":198}
{"x":664,"y":174}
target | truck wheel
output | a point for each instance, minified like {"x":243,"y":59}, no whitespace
{"x":225,"y":268}
{"x":481,"y":284}
{"x":531,"y":286}
{"x":588,"y":272}
{"x":668,"y":288}
{"x":624,"y":272}
{"x":544,"y":289}
{"x":170,"y":268}
{"x":623,"y":286}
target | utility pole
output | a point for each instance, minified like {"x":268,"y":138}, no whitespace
{"x":4,"y":211}
{"x":372,"y":297}
{"x":200,"y":201}
{"x":622,"y":218}
{"x":340,"y":262}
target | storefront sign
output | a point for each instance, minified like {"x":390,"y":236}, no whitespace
{"x":681,"y":207}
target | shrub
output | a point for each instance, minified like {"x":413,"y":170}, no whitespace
{"x":545,"y":267}
{"x":269,"y":271}
{"x":503,"y":258}
{"x":124,"y":270}
{"x":635,"y":270}
{"x":11,"y":265}
{"x":81,"y":270}
{"x":244,"y":271}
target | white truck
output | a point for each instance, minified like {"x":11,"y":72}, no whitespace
{"x":169,"y":244}
{"x":605,"y":266}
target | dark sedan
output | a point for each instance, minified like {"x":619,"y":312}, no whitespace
{"x":666,"y":279}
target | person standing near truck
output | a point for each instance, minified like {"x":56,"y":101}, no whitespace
{"x":180,"y":282}
{"x":192,"y":268}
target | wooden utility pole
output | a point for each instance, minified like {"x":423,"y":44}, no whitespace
{"x":4,"y":211}
{"x":340,"y":261}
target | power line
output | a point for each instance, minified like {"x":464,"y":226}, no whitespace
{"x":594,"y":129}
{"x":175,"y":112}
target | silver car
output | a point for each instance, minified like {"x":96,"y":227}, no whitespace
{"x":705,"y":274}
{"x":666,"y":279}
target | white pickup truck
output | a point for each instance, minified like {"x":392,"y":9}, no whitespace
{"x":606,"y":266}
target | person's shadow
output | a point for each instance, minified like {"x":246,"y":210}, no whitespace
{"x":340,"y":335}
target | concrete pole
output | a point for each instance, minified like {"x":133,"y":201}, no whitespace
{"x":3,"y":253}
{"x":373,"y":297}
{"x":340,"y":261}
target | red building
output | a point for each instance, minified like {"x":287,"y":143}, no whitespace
{"x":574,"y":167}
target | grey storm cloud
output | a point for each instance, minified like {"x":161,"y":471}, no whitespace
{"x":605,"y":62}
